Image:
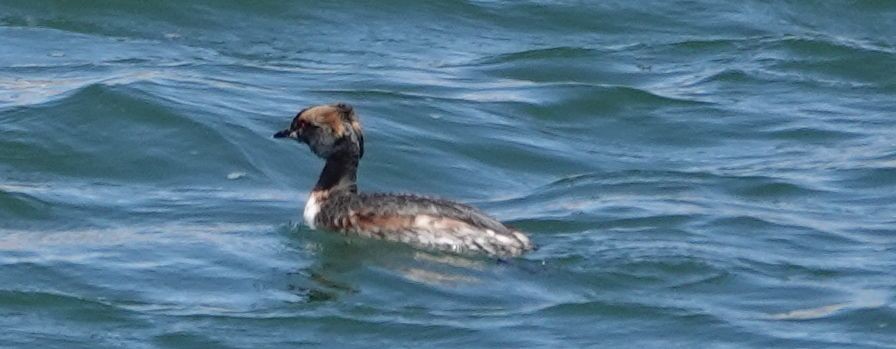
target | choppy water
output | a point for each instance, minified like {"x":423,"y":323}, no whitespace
{"x":697,"y":174}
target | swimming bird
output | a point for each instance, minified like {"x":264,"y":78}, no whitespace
{"x":333,"y":132}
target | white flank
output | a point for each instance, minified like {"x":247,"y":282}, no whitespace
{"x":312,"y":207}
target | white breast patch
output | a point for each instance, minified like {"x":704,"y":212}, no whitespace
{"x":312,"y":207}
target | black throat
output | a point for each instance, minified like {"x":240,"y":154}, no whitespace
{"x":340,"y":173}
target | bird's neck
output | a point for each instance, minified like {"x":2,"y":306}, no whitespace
{"x":340,"y":173}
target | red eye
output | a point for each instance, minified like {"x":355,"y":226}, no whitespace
{"x":302,"y":124}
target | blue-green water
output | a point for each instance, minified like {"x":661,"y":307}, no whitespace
{"x":697,"y":174}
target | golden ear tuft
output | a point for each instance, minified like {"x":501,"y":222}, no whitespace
{"x":347,"y":112}
{"x":337,"y":127}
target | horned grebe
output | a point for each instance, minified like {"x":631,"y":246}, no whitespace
{"x":334,"y":133}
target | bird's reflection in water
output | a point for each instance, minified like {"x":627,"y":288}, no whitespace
{"x":341,"y":264}
{"x":442,"y":269}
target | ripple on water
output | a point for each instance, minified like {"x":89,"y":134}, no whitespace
{"x":95,"y":123}
{"x":695,"y":175}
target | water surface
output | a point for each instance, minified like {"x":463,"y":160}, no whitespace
{"x":697,"y":173}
